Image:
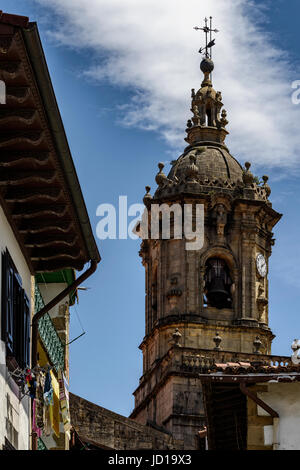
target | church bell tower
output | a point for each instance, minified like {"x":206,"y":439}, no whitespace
{"x":205,"y":304}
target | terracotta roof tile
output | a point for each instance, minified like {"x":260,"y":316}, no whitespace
{"x":253,"y":367}
{"x":234,"y":365}
{"x":245,"y":364}
{"x":221,"y":366}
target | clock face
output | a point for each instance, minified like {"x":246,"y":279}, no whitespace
{"x":261,"y":265}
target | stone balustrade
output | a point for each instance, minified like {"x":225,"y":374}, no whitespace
{"x":203,"y":359}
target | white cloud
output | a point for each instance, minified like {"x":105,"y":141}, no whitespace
{"x":151,"y":47}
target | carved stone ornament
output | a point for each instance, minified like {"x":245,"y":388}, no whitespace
{"x":248,"y":177}
{"x":161,"y":178}
{"x":147,"y":198}
{"x":257,"y":345}
{"x":221,"y":219}
{"x":173,"y":295}
{"x":295,"y":348}
{"x":176,"y":337}
{"x":266,"y":186}
{"x":217,"y":340}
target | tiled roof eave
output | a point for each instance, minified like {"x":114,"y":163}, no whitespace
{"x":39,"y":188}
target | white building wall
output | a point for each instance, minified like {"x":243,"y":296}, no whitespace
{"x":18,"y":412}
{"x":49,"y":292}
{"x":285,"y":399}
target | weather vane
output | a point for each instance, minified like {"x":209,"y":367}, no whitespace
{"x":207,"y":30}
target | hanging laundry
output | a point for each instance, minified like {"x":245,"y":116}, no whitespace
{"x":28,"y":376}
{"x":48,"y":390}
{"x":46,"y":420}
{"x":54,"y":407}
{"x":48,"y":399}
{"x":40,"y":399}
{"x":64,"y":402}
{"x":22,"y":382}
{"x":35,"y":428}
{"x":30,"y":382}
{"x":32,"y":387}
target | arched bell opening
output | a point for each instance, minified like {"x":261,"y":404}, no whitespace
{"x":208,"y":116}
{"x":218,"y":284}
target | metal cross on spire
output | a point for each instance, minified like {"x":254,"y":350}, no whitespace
{"x":207,"y":30}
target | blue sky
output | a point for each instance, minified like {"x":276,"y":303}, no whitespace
{"x":122,"y":75}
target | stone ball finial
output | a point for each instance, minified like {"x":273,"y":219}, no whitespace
{"x":217,"y":340}
{"x":266,"y":186}
{"x":147,"y":198}
{"x":224,"y":120}
{"x":176,"y":337}
{"x":161,"y":177}
{"x":248,"y":178}
{"x":257,"y":345}
{"x":265,"y":178}
{"x":207,"y":65}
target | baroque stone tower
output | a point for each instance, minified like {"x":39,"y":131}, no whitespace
{"x":206,"y":304}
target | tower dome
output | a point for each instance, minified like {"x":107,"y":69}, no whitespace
{"x":212,"y":162}
{"x":206,"y":163}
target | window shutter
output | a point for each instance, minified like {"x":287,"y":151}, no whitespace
{"x":18,"y":322}
{"x":10,"y":310}
{"x":26,"y":335}
{"x":22,"y":326}
{"x":7,"y":302}
{"x":3,"y":296}
{"x":15,"y":314}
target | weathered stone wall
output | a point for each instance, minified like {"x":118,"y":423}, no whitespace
{"x":115,"y":431}
{"x":185,"y":414}
{"x":177,"y":407}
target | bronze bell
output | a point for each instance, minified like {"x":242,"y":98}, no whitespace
{"x":218,"y":284}
{"x":218,"y":295}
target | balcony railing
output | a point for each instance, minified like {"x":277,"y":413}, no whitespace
{"x":48,"y":334}
{"x":203,"y":360}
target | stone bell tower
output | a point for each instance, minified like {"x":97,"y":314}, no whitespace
{"x":209,"y":303}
